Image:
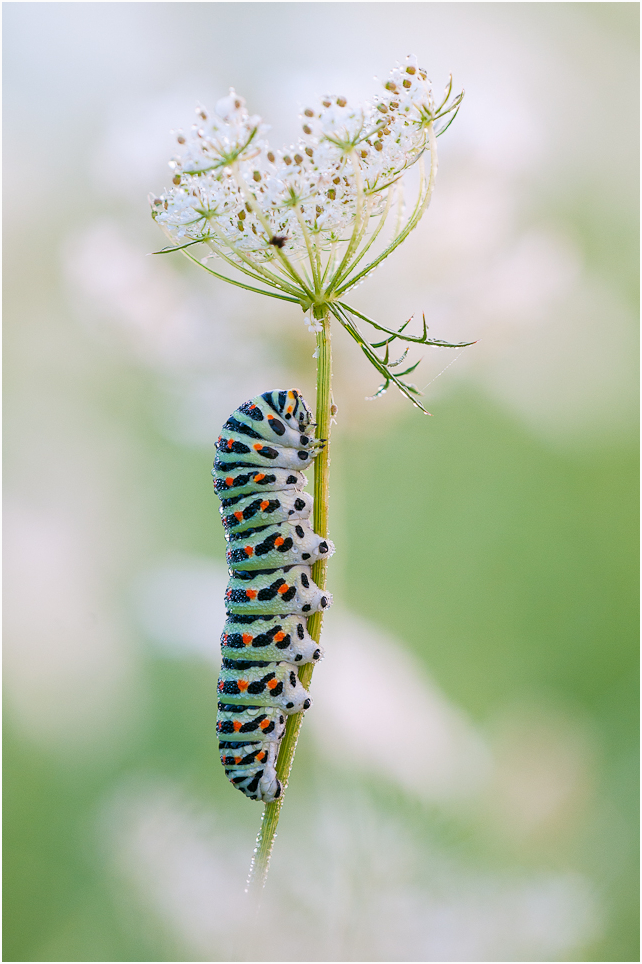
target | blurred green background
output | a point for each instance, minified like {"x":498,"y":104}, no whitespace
{"x":486,"y":571}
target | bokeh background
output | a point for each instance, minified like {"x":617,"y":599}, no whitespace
{"x":485,"y":575}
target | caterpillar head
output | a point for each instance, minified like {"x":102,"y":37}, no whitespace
{"x":301,"y":411}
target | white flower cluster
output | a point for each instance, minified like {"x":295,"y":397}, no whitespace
{"x":246,"y":199}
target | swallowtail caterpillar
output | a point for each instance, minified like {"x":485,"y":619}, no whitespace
{"x":261,"y":451}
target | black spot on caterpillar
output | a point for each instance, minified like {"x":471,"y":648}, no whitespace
{"x":270,"y":594}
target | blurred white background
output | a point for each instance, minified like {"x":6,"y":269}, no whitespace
{"x":490,"y":843}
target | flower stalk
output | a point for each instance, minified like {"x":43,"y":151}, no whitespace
{"x":272,"y":811}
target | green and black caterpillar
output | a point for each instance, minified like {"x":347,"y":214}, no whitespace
{"x":261,"y":451}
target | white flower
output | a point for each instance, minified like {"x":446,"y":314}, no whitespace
{"x":301,"y":219}
{"x":233,"y":191}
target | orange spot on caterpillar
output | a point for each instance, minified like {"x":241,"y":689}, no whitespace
{"x":260,"y":756}
{"x":283,"y":588}
{"x":270,"y":417}
{"x":264,"y":505}
{"x":238,"y":515}
{"x":264,"y":724}
{"x":229,"y":480}
{"x":220,"y":686}
{"x":252,"y":406}
{"x":230,"y":443}
{"x":279,"y":541}
{"x":237,"y":759}
{"x":289,"y":408}
{"x":278,"y":637}
{"x":272,"y":683}
{"x":242,"y":684}
{"x":249,"y":551}
{"x":251,"y":593}
{"x":259,"y":476}
{"x":228,"y":594}
{"x":257,"y":446}
{"x":237,"y":725}
{"x":247,"y":639}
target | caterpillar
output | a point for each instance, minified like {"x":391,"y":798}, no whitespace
{"x":260,"y":454}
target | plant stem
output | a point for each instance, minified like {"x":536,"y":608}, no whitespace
{"x":271,"y":812}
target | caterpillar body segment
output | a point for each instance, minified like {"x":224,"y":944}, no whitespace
{"x":235,"y":721}
{"x":242,"y":754}
{"x":236,"y":450}
{"x":262,"y":449}
{"x":246,"y":480}
{"x":269,"y":638}
{"x":275,"y":684}
{"x":280,"y":545}
{"x":264,"y":509}
{"x":252,"y":768}
{"x":257,"y":783}
{"x":272,"y":590}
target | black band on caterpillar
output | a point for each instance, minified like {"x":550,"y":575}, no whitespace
{"x":261,"y":450}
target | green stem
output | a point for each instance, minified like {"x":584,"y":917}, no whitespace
{"x":271,"y":812}
{"x":239,"y":284}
